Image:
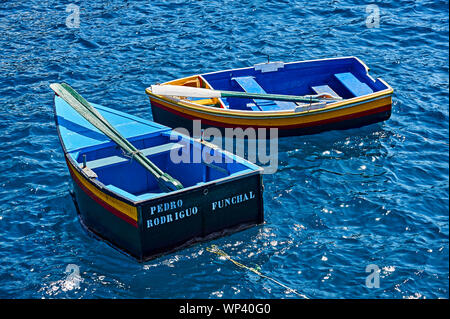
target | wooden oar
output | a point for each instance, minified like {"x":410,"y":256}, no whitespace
{"x":176,"y":90}
{"x":88,"y":112}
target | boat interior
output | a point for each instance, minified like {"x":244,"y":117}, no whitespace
{"x":175,"y":154}
{"x":127,"y":177}
{"x":343,"y":78}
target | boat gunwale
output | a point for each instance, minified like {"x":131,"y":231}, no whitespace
{"x":102,"y":187}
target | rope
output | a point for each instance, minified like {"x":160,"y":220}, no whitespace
{"x":215,"y":250}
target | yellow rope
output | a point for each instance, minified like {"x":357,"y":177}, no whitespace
{"x":215,"y":250}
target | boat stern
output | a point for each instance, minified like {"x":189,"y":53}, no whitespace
{"x":201,"y":213}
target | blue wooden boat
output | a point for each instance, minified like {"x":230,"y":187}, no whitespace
{"x":297,"y":98}
{"x":120,"y":201}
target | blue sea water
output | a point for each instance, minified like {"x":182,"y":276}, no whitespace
{"x":340,"y":201}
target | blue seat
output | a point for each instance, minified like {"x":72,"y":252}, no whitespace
{"x":355,"y":86}
{"x":249,"y":85}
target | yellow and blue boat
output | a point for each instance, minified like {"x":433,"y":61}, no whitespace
{"x":354,"y":98}
{"x":122,"y":202}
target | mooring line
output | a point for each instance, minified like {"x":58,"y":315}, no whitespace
{"x":215,"y":250}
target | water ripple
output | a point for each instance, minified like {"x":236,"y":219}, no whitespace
{"x":339,"y":201}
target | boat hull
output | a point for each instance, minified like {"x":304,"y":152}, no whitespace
{"x":352,"y":115}
{"x":172,"y":222}
{"x":120,"y":203}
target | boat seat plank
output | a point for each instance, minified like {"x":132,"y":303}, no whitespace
{"x":324,"y":89}
{"x":119,"y":159}
{"x":249,"y":84}
{"x":355,"y":86}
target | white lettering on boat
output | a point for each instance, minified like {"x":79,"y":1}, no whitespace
{"x":236,"y":199}
{"x":179,"y":214}
{"x":161,"y":220}
{"x":164,"y":207}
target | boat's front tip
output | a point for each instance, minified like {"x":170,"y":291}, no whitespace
{"x":148,"y":90}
